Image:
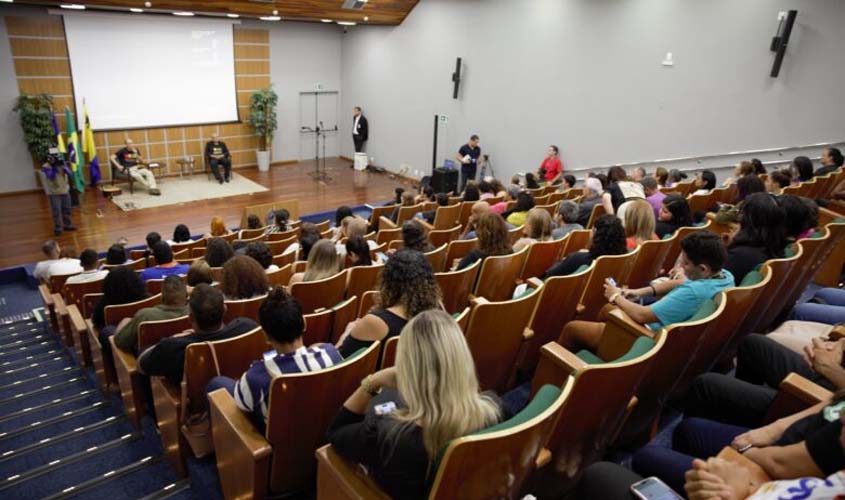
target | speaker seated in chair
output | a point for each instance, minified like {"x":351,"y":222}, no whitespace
{"x":119,"y":173}
{"x":217,"y":155}
{"x":127,"y":162}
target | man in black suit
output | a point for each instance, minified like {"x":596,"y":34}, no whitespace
{"x":360,"y":129}
{"x":217,"y":154}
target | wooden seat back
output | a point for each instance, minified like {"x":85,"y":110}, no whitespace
{"x":294,"y":434}
{"x":648,"y":263}
{"x":344,"y":313}
{"x":815,"y":250}
{"x":456,"y":286}
{"x":576,"y":240}
{"x":363,"y":279}
{"x":607,"y":266}
{"x":382,"y":211}
{"x":395,"y":245}
{"x":248,"y":234}
{"x":515,"y":234}
{"x":286,"y":259}
{"x":323,"y":226}
{"x":89,"y":302}
{"x":780,"y":270}
{"x":387,"y":235}
{"x":245,"y":308}
{"x":151,"y":332}
{"x":326,"y":293}
{"x":388,"y":355}
{"x":598,"y":211}
{"x":539,"y":201}
{"x":57,"y":281}
{"x":437,"y":258}
{"x":368,"y":301}
{"x":675,"y":248}
{"x":498,"y":275}
{"x":74,"y":292}
{"x":285,"y":235}
{"x":685,"y":188}
{"x":154,"y":286}
{"x":458,"y":249}
{"x":699,"y":202}
{"x":541,"y":256}
{"x":438,"y":237}
{"x":114,"y":313}
{"x":828,"y":273}
{"x":495,"y":334}
{"x":407,"y":213}
{"x":281,"y":276}
{"x":278,"y":247}
{"x":447,"y":217}
{"x":318,"y":327}
{"x":466,"y":211}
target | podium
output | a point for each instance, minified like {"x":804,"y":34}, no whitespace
{"x":445,"y":180}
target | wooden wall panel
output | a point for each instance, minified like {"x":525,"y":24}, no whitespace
{"x":41,"y":65}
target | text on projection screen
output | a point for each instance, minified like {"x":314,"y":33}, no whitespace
{"x":150,"y":71}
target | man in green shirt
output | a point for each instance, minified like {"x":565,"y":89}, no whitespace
{"x":174,"y":298}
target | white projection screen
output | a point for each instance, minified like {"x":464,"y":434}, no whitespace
{"x":140,"y":71}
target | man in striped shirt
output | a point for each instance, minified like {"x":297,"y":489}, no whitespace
{"x":281,"y":318}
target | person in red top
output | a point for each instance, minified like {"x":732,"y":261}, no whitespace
{"x":551,"y":169}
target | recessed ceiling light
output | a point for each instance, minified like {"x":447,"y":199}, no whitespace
{"x":136,"y":10}
{"x":72,"y":6}
{"x":326,"y":20}
{"x":275,"y":12}
{"x":233,"y":16}
{"x":270,"y":18}
{"x":366,"y":18}
{"x":183,"y":13}
{"x":148,"y":4}
{"x":346,"y":23}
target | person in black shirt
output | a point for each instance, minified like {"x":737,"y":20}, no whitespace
{"x":360,"y":129}
{"x":674,"y":214}
{"x":608,"y":239}
{"x":469,"y":156}
{"x":216,"y":154}
{"x":167,"y":358}
{"x":831,"y":160}
{"x":760,"y":237}
{"x":129,"y":161}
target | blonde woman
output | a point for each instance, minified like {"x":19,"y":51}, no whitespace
{"x":639,"y":223}
{"x":218,"y":228}
{"x":399,"y":446}
{"x":322,"y":263}
{"x":538,"y":227}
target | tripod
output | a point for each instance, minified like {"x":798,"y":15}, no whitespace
{"x":319,"y":174}
{"x":487,"y":162}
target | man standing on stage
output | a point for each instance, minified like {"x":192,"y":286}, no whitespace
{"x":216,"y":153}
{"x":360,"y":129}
{"x":128,"y":157}
{"x":469,"y":156}
{"x":57,"y":177}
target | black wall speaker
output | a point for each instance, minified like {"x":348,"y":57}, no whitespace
{"x":781,"y":40}
{"x":456,"y":79}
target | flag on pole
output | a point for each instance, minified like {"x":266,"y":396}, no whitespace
{"x":60,"y":145}
{"x":60,"y":142}
{"x":74,"y":153}
{"x":89,"y":148}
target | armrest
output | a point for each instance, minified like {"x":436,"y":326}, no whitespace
{"x":424,"y":223}
{"x":77,"y":324}
{"x":59,"y":303}
{"x":386,"y":223}
{"x":228,"y":418}
{"x":46,"y":295}
{"x":478,"y":301}
{"x":795,"y":393}
{"x":527,"y":334}
{"x":555,"y":366}
{"x":620,"y":332}
{"x":124,"y":362}
{"x":338,"y":478}
{"x":534,"y":282}
{"x":758,"y":475}
{"x":463,"y":319}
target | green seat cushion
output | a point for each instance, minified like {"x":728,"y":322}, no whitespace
{"x":667,"y":236}
{"x":356,"y":354}
{"x":706,"y":308}
{"x":839,"y":220}
{"x":542,"y":400}
{"x":788,"y":252}
{"x":581,"y":268}
{"x":815,"y":234}
{"x":640,"y":346}
{"x":752,"y":278}
{"x":528,"y":291}
{"x":588,"y":357}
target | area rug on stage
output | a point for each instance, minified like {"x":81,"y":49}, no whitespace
{"x":183,"y":190}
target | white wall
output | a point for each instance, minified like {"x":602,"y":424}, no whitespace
{"x":16,"y":172}
{"x":587,"y":75}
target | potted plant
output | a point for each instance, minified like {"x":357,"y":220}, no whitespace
{"x":36,"y":115}
{"x":262,"y":119}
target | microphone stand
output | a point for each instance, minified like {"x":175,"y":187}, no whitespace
{"x":320,"y":132}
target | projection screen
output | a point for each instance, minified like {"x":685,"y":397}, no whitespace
{"x":139,"y":71}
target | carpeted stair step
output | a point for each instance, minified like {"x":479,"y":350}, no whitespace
{"x":78,"y":418}
{"x":49,"y":448}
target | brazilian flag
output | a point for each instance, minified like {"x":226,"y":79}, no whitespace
{"x":74,"y":152}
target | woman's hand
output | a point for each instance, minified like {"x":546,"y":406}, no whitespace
{"x":611,"y":290}
{"x":384,"y":378}
{"x":701,"y":484}
{"x":760,"y":437}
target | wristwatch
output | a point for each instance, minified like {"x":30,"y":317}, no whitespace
{"x":368,"y":388}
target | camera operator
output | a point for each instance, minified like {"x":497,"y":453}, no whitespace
{"x":57,"y":177}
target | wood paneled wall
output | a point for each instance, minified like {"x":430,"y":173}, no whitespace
{"x":41,"y":62}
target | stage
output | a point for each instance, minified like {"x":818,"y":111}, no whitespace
{"x":26,"y":220}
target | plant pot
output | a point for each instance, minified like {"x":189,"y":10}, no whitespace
{"x":263,"y":158}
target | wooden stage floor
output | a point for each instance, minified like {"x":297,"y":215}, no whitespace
{"x":26,"y":222}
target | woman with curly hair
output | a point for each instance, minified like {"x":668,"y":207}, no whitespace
{"x":407,"y":287}
{"x":608,"y":239}
{"x":493,"y":240}
{"x":259,"y":251}
{"x":243,"y":278}
{"x":218,"y":251}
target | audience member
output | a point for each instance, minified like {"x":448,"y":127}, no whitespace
{"x":593,"y":195}
{"x":253,"y":222}
{"x":167,"y":358}
{"x":639,"y":223}
{"x":431,"y":349}
{"x":306,"y":243}
{"x":638,"y":174}
{"x":471,"y":192}
{"x":341,"y":213}
{"x":414,"y":237}
{"x":569,"y":181}
{"x":653,"y":195}
{"x":742,"y":169}
{"x":622,"y":189}
{"x":760,"y":237}
{"x":748,"y":185}
{"x":442,"y":200}
{"x":831,"y":160}
{"x":802,"y":168}
{"x":478,"y":209}
{"x":199,"y":272}
{"x":243,"y":278}
{"x":662,"y":176}
{"x":218,"y":251}
{"x":517,"y":216}
{"x":498,"y":188}
{"x":181,"y":234}
{"x":675,"y":176}
{"x":408,"y":200}
{"x":485,"y":190}
{"x":116,"y":255}
{"x":322,"y":263}
{"x":90,"y":268}
{"x":777,"y":180}
{"x":801,"y":216}
{"x":608,"y":239}
{"x":704,"y":182}
{"x":52,"y":251}
{"x":283,"y":325}
{"x":358,"y":252}
{"x":174,"y":299}
{"x":566,"y":219}
{"x":492,"y":240}
{"x":259,"y":251}
{"x":165,"y":265}
{"x":674,"y":214}
{"x":538,"y":227}
{"x":121,"y":286}
{"x":759,"y":168}
{"x":280,"y":222}
{"x":531,"y":181}
{"x":407,"y":287}
{"x":218,"y":228}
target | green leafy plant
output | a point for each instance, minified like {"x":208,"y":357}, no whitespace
{"x":36,"y":115}
{"x":262,"y":115}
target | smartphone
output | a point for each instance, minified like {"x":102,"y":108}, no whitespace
{"x":652,"y":488}
{"x":611,"y":281}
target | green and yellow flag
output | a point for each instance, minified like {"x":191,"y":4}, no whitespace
{"x":74,"y":152}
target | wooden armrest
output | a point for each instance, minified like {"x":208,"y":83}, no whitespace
{"x":226,"y":414}
{"x":477,"y":301}
{"x":527,"y":334}
{"x":338,"y":478}
{"x":46,"y":295}
{"x":59,"y":302}
{"x":386,"y":223}
{"x":543,"y":458}
{"x":795,"y":393}
{"x":534,"y":282}
{"x":555,"y":366}
{"x":758,"y":475}
{"x":619,"y":334}
{"x":579,"y":309}
{"x":123,"y":360}
{"x":424,"y":223}
{"x":77,"y":323}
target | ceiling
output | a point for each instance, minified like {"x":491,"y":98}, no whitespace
{"x":384,"y":12}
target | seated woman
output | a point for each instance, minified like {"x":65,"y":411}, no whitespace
{"x":492,"y":234}
{"x":674,"y":214}
{"x":778,"y":180}
{"x":181,"y":234}
{"x":281,"y":319}
{"x":340,"y":214}
{"x":704,"y":182}
{"x":760,"y":237}
{"x":116,"y":255}
{"x":801,"y":216}
{"x":199,"y":272}
{"x":566,"y":219}
{"x":407,"y":287}
{"x":414,"y":237}
{"x":358,"y":251}
{"x":280,"y":222}
{"x":431,"y":349}
{"x":253,"y":222}
{"x":471,"y":192}
{"x":639,"y":223}
{"x":218,"y":251}
{"x":486,"y":190}
{"x":702,"y":255}
{"x":662,"y":176}
{"x":517,"y":215}
{"x":243,"y":278}
{"x":122,"y":285}
{"x":218,"y":228}
{"x":498,"y":188}
{"x":569,"y":182}
{"x":827,"y":306}
{"x":538,"y":227}
{"x":259,"y":251}
{"x":531,"y":181}
{"x":322,"y":263}
{"x":608,"y":239}
{"x":741,"y":169}
{"x":802,"y":169}
{"x":746,"y":186}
